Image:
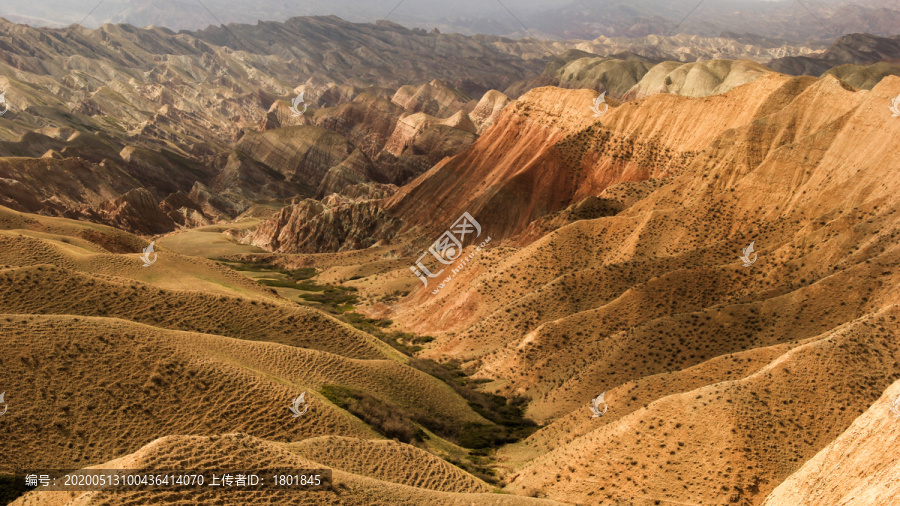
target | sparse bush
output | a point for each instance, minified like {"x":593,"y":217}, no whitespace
{"x":387,"y":419}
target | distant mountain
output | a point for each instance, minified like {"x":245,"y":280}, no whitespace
{"x":784,"y":19}
{"x":555,"y":19}
{"x":856,"y":49}
{"x":185,"y":130}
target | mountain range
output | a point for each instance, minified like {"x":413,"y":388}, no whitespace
{"x":453,"y":250}
{"x":788,"y":20}
{"x":197,"y":128}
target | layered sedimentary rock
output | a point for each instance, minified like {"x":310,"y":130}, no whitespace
{"x":697,"y":79}
{"x":723,"y":375}
{"x":136,"y":210}
{"x":353,"y":219}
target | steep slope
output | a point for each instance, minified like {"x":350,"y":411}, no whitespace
{"x":434,"y":98}
{"x":650,"y":303}
{"x":763,"y":110}
{"x":728,"y":442}
{"x":353,"y":219}
{"x":549,"y":146}
{"x":281,"y":163}
{"x":47,"y":184}
{"x":419,"y":141}
{"x":857,"y":468}
{"x":367,"y":121}
{"x":488,"y":109}
{"x":515,"y":156}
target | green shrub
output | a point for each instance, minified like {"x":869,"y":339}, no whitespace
{"x":387,"y":419}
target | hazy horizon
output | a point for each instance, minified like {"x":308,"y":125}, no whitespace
{"x":561,"y":19}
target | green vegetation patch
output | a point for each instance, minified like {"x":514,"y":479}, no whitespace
{"x":386,"y":418}
{"x":507,"y":414}
{"x":405,"y":342}
{"x":334,"y":299}
{"x":506,"y":417}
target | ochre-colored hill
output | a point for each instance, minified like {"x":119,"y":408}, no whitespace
{"x":549,"y":146}
{"x":729,"y":441}
{"x":515,"y":156}
{"x":47,"y":289}
{"x":94,"y":249}
{"x":615,"y":267}
{"x":120,"y":385}
{"x":238,"y":450}
{"x":858,"y":468}
{"x":105,"y":356}
{"x":725,"y":186}
{"x":389,"y":461}
{"x":721,"y":379}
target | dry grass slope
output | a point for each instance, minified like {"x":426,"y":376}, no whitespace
{"x":389,"y":461}
{"x":89,"y":389}
{"x":248,"y":452}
